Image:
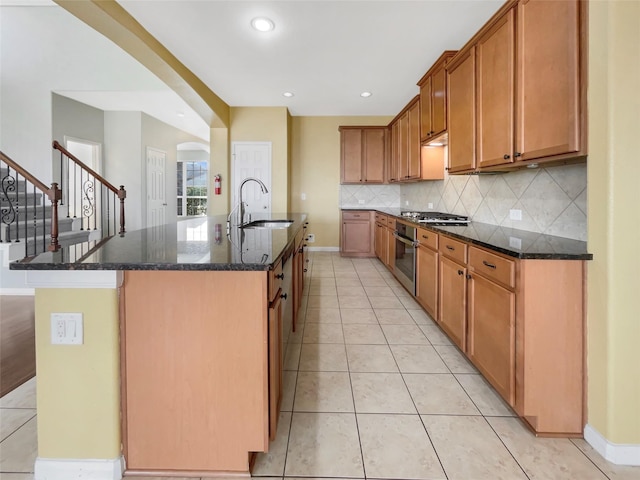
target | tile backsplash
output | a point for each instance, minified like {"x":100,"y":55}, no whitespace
{"x":370,"y":196}
{"x":552,"y":200}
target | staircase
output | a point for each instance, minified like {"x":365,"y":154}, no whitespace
{"x":35,"y":218}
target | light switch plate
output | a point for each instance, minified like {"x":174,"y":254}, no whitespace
{"x":66,"y":329}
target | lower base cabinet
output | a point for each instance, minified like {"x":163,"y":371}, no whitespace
{"x":491,"y":336}
{"x":453,"y":301}
{"x":357,"y":233}
{"x":275,"y":363}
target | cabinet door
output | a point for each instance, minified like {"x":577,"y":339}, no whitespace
{"x":391,"y":250}
{"x":373,"y":154}
{"x":356,"y":236}
{"x":548,"y":67}
{"x":427,"y":280}
{"x":275,"y":364}
{"x":425,"y":109}
{"x":380,"y":239}
{"x":462,"y":115}
{"x":496,"y":82}
{"x":453,"y":300}
{"x":414,"y":141}
{"x":392,"y":172}
{"x":403,"y":147}
{"x":351,"y":155}
{"x":438,"y":102}
{"x":491,"y":343}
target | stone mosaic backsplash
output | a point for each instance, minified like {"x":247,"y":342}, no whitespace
{"x":552,"y":200}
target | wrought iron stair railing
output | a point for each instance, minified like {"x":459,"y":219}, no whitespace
{"x":89,"y":196}
{"x":24,"y":212}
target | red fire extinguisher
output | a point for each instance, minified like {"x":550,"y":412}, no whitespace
{"x":217,"y":186}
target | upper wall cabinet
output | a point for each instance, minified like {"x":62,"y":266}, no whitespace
{"x":363,"y":154}
{"x":433,"y":102}
{"x":409,"y":161}
{"x":529,"y":96}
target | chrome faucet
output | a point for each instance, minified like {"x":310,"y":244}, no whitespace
{"x":240,"y":204}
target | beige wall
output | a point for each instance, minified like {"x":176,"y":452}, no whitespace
{"x":315,"y":171}
{"x":266,"y":124}
{"x":79,"y":385}
{"x":614,"y":222}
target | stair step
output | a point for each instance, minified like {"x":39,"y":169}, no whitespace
{"x":16,"y":231}
{"x":22,"y":199}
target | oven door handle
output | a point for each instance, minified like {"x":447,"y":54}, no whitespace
{"x":405,"y":240}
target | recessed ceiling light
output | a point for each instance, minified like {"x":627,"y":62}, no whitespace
{"x":288,"y":94}
{"x":263,"y":24}
{"x":180,"y":114}
{"x":366,"y":94}
{"x":436,"y":144}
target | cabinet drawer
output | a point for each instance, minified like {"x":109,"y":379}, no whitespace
{"x":493,"y":266}
{"x":428,"y":238}
{"x":275,"y":280}
{"x":453,"y":249}
{"x":355,"y":215}
{"x":391,"y":222}
{"x":299,"y":238}
{"x":381,"y":218}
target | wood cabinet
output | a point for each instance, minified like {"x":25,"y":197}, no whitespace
{"x":384,"y":239}
{"x":363,"y":154}
{"x":491,"y":319}
{"x":299,"y":269}
{"x":551,"y":80}
{"x":357,"y":234}
{"x":409,"y":161}
{"x":496,"y":92}
{"x":433,"y":99}
{"x":427,"y":271}
{"x":462,"y":111}
{"x":530,"y":89}
{"x":275,"y":362}
{"x":452,"y":286}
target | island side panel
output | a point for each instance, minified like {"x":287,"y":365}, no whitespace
{"x":196,"y":369}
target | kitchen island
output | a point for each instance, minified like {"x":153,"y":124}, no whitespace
{"x":203,"y":321}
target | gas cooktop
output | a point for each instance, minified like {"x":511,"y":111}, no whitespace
{"x":437,"y":218}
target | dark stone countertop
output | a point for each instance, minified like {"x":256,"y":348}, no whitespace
{"x":197,"y":243}
{"x":508,"y":241}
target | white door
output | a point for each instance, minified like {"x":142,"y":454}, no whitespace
{"x":156,"y":195}
{"x":252,"y":159}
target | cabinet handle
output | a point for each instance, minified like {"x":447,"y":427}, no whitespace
{"x":305,"y":269}
{"x":506,"y":156}
{"x":357,"y":216}
{"x":284,"y":295}
{"x":449,"y":247}
{"x":280,"y":276}
{"x":487,"y":264}
{"x":301,"y":250}
{"x":425,"y":237}
{"x":460,"y":272}
{"x":468,"y":277}
{"x":517,"y":154}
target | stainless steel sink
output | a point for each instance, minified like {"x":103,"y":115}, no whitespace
{"x":269,"y":224}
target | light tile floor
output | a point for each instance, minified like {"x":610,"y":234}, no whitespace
{"x":372,"y":389}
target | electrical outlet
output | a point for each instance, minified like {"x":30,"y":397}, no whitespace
{"x":311,"y":238}
{"x":303,"y":196}
{"x":360,"y":202}
{"x":430,"y":206}
{"x":66,"y":329}
{"x":515,"y":214}
{"x":515,"y":242}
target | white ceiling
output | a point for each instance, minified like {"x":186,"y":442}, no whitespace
{"x":325,"y":52}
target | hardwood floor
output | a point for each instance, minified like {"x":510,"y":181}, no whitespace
{"x":17,"y":341}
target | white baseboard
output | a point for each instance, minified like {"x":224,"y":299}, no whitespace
{"x":17,"y":291}
{"x":620,"y":454}
{"x":323,"y":249}
{"x":69,"y":469}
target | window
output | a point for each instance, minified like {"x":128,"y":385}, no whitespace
{"x":193,"y":185}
